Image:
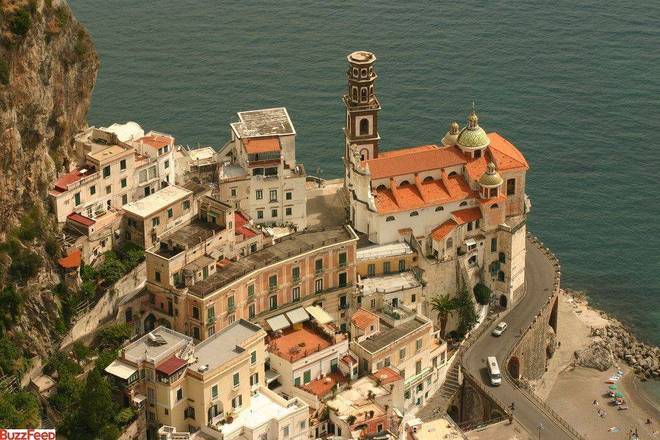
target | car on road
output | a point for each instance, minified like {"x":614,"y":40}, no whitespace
{"x":497,"y":331}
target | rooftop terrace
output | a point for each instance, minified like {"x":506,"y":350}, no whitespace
{"x":157,"y":201}
{"x":290,"y":246}
{"x":389,"y":283}
{"x":156,"y":345}
{"x":294,"y":345}
{"x":389,"y":335}
{"x":265,"y":122}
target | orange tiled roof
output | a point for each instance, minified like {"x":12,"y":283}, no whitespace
{"x":321,"y":387}
{"x":156,"y":141}
{"x":466,"y":215}
{"x":72,"y":260}
{"x":294,"y":345}
{"x":262,"y":145}
{"x":441,"y":231}
{"x":476,"y":168}
{"x":348,"y":359}
{"x":414,"y":160}
{"x":386,"y":375}
{"x":363,"y":318}
{"x":505,"y":154}
{"x":422,"y":194}
{"x":77,"y":174}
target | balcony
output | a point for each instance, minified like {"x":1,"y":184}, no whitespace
{"x":210,"y":320}
{"x":272,"y":289}
{"x":295,"y":280}
{"x":231,"y":308}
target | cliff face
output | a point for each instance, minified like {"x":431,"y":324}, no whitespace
{"x":51,"y":68}
{"x":48,"y":68}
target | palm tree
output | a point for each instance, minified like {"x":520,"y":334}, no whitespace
{"x":445,"y":306}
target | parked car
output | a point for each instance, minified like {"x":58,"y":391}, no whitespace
{"x":497,"y":331}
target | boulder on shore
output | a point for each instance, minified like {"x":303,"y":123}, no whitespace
{"x":598,"y":355}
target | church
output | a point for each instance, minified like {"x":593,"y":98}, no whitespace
{"x":460,"y":203}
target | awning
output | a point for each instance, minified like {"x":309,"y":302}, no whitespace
{"x":470,"y":242}
{"x":297,"y":315}
{"x":120,"y":369}
{"x":139,"y":398}
{"x":277,"y":323}
{"x":319,"y":314}
{"x":271,"y":376}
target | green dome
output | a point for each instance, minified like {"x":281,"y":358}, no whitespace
{"x":473,"y":136}
{"x":491,"y":178}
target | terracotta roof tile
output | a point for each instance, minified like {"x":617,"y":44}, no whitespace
{"x":77,"y":174}
{"x":436,"y":192}
{"x":476,"y":168}
{"x":414,"y":160}
{"x":441,"y":231}
{"x":72,"y":260}
{"x":467,"y":215}
{"x":171,"y":365}
{"x":80,"y":219}
{"x":262,"y":145}
{"x":386,"y":376}
{"x":240,"y":220}
{"x":363,"y":318}
{"x":348,"y":359}
{"x":404,"y":151}
{"x":321,"y":387}
{"x":156,"y":141}
{"x":505,"y":154}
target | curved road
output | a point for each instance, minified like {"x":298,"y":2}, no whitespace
{"x":539,"y":274}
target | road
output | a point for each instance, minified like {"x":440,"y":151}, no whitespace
{"x":539,"y":274}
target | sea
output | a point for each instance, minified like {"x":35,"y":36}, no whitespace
{"x":575,"y":85}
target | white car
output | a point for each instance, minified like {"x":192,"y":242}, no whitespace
{"x":497,"y":331}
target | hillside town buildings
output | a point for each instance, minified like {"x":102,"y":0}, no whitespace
{"x":259,"y":323}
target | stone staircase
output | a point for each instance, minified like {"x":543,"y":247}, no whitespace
{"x":438,"y":404}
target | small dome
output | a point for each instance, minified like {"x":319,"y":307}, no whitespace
{"x":491,"y":178}
{"x":450,"y":137}
{"x":473,"y":136}
{"x":454,"y":128}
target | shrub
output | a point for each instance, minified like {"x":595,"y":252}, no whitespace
{"x":112,"y":269}
{"x":24,"y":265}
{"x":134,"y":255}
{"x":88,"y":273}
{"x":20,"y":22}
{"x":482,"y":293}
{"x":105,"y":358}
{"x":63,"y":365}
{"x":80,"y":351}
{"x":113,"y":336}
{"x":125,"y":416}
{"x":11,"y":357}
{"x":19,"y":410}
{"x":4,"y":71}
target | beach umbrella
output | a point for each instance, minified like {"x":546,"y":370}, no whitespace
{"x":612,"y":387}
{"x":619,"y":395}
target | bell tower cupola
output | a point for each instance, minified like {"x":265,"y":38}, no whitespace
{"x":362,"y":107}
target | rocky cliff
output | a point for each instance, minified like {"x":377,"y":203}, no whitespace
{"x":47,"y":74}
{"x":48,"y":68}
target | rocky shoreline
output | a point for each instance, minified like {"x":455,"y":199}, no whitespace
{"x":616,"y":342}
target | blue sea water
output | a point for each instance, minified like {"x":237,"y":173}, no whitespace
{"x":575,"y":85}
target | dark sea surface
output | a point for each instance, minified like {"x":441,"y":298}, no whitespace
{"x":575,"y":85}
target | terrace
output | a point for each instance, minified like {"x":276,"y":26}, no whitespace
{"x":296,"y":344}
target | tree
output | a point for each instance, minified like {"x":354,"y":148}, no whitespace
{"x":482,"y":293}
{"x":94,"y":417}
{"x":80,"y":351}
{"x":19,"y":410}
{"x":113,"y":336}
{"x":444,"y":306}
{"x":112,"y":269}
{"x":20,"y":22}
{"x":467,"y":316}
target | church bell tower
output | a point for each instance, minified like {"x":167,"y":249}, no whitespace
{"x":361,"y":107}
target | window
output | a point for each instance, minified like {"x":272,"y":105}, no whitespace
{"x":343,"y":302}
{"x":414,"y":214}
{"x":386,"y":267}
{"x":122,"y":164}
{"x":250,"y":290}
{"x":373,"y":304}
{"x":230,"y":303}
{"x":469,"y":226}
{"x":450,"y":243}
{"x":296,"y":381}
{"x":92,"y":190}
{"x":108,"y":189}
{"x":237,"y":402}
{"x":502,"y":257}
{"x":295,"y":273}
{"x":106,"y":171}
{"x":288,"y":195}
{"x":260,"y":214}
{"x":272,"y":301}
{"x":318,"y":285}
{"x":259,"y":194}
{"x":500,"y":276}
{"x":254,"y":379}
{"x":402,"y":265}
{"x":196,"y":333}
{"x":494,"y":206}
{"x":390,"y":218}
{"x":170,"y":213}
{"x":273,"y":213}
{"x":288,"y":211}
{"x":387,"y":361}
{"x":253,"y":358}
{"x":233,"y":192}
{"x":510,"y":187}
{"x":179,"y":394}
{"x":439,"y":208}
{"x":214,"y":392}
{"x":463,"y":204}
{"x":406,"y":395}
{"x":189,"y":413}
{"x":236,"y":379}
{"x":251,"y":311}
{"x":186,"y":204}
{"x":402,"y":353}
{"x":363,"y":94}
{"x":272,"y":282}
{"x":273,"y":195}
{"x":318,"y":265}
{"x":371,"y":270}
{"x":76,"y":199}
{"x":157,"y":276}
{"x":166,"y":164}
{"x":155,"y":221}
{"x":418,"y":344}
{"x":413,"y":298}
{"x":343,"y":279}
{"x":285,"y":431}
{"x":123,"y":182}
{"x":195,"y":312}
{"x":295,"y":294}
{"x":364,"y":126}
{"x":493,"y":244}
{"x":303,"y":424}
{"x":210,"y":330}
{"x":152,"y":172}
{"x":307,"y":376}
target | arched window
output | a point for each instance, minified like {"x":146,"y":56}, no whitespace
{"x":494,"y":206}
{"x":363,"y":94}
{"x":390,"y":218}
{"x":493,"y":192}
{"x":354,"y":93}
{"x":463,"y":204}
{"x":500,"y":276}
{"x":477,"y":154}
{"x":364,"y":154}
{"x":364,"y":126}
{"x":439,"y":208}
{"x":502,"y":257}
{"x":381,"y":188}
{"x":363,"y":72}
{"x":473,"y":259}
{"x":371,"y":90}
{"x":450,"y":243}
{"x":355,"y":72}
{"x":404,"y":182}
{"x":428,"y":179}
{"x":414,"y":214}
{"x":453,"y":173}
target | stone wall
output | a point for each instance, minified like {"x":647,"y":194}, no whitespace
{"x":106,"y":307}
